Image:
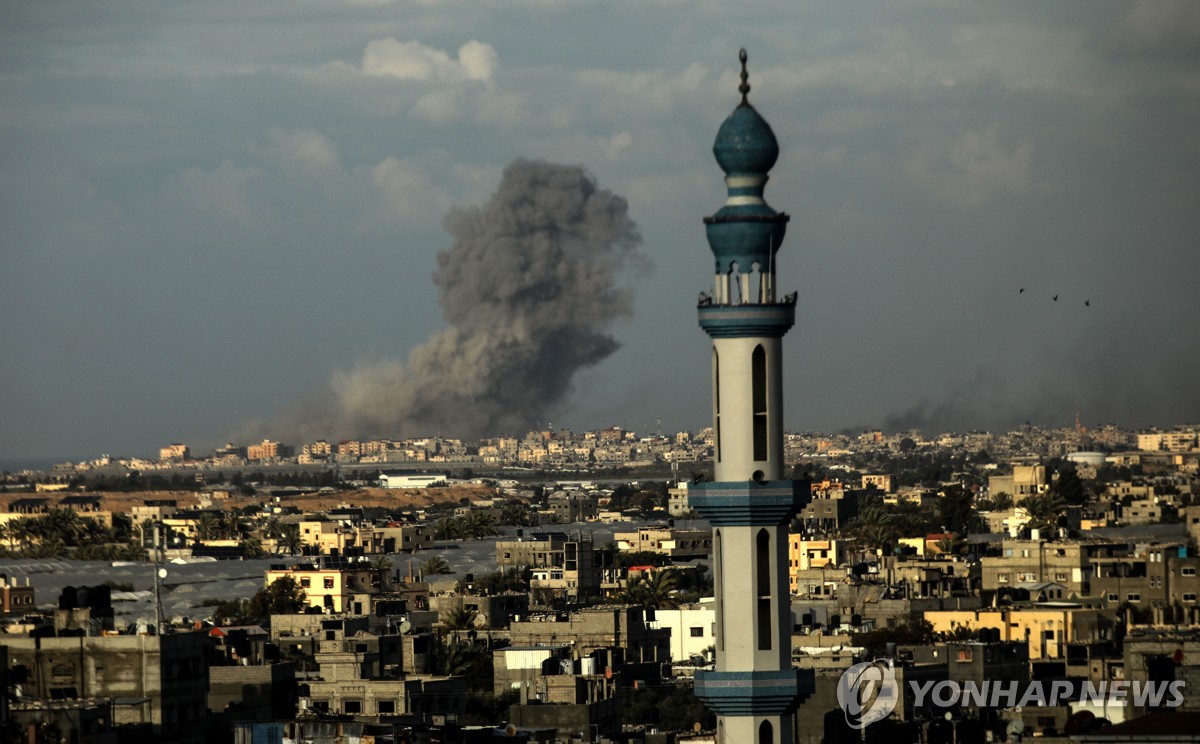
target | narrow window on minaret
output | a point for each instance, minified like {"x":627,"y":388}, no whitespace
{"x":759,"y":380}
{"x":766,"y":733}
{"x":762,"y":578}
{"x":718,"y":582}
{"x":716,"y":404}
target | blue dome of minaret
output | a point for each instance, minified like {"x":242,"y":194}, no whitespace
{"x":746,"y":231}
{"x":745,"y":143}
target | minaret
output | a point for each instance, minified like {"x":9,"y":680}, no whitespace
{"x":754,"y":688}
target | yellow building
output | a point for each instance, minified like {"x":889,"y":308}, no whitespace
{"x":1047,"y":627}
{"x":808,"y":554}
{"x":331,"y":589}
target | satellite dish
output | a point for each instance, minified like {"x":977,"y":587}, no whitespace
{"x":510,"y":730}
{"x":949,"y":716}
{"x":405,"y":625}
{"x":162,"y":573}
{"x":480,"y":621}
{"x":697,"y":727}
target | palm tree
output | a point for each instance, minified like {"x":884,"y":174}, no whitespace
{"x":435,"y":566}
{"x":289,"y":540}
{"x":446,"y":528}
{"x":1044,"y":510}
{"x":460,"y":618}
{"x":875,"y":526}
{"x":252,"y":547}
{"x":477,"y":525}
{"x":454,"y":658}
{"x":206,"y":525}
{"x":653,"y":590}
{"x":516,"y":515}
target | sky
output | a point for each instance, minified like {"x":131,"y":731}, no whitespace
{"x":208,"y":210}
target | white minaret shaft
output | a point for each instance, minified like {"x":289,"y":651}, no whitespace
{"x":753,"y":689}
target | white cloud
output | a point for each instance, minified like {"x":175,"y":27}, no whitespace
{"x":410,"y":191}
{"x":303,"y":147}
{"x":412,"y":60}
{"x":973,"y":168}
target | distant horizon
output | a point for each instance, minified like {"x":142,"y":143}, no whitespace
{"x":44,"y":462}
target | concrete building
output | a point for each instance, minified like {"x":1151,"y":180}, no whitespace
{"x":754,"y":690}
{"x":15,"y":600}
{"x":1046,"y":627}
{"x":563,"y":564}
{"x":175,"y":451}
{"x":408,"y":479}
{"x":674,"y":543}
{"x":693,"y":629}
{"x":332,"y":589}
{"x":624,"y":629}
{"x":568,"y":507}
{"x":1023,"y":482}
{"x":167,"y":674}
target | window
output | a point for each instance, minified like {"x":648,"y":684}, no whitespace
{"x":964,"y":655}
{"x":1060,"y":577}
{"x":352,"y":706}
{"x":717,"y":403}
{"x":1002,"y":578}
{"x":305,"y":582}
{"x":758,"y":376}
{"x":1114,"y":597}
{"x":696,"y":632}
{"x":766,"y":734}
{"x":1189,"y":596}
{"x":328,"y":582}
{"x":1187,"y":571}
{"x":388,"y":707}
{"x":762,"y":570}
{"x":1133,"y":597}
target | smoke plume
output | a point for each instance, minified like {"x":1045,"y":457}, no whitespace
{"x":529,"y":291}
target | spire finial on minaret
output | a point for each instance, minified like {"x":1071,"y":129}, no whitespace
{"x":744,"y":88}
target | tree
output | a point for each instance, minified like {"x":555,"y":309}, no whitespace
{"x":914,"y":631}
{"x":459,"y":618}
{"x":435,"y":566}
{"x":281,"y":597}
{"x":455,"y":658}
{"x":652,"y":590}
{"x":289,"y":541}
{"x":252,"y":547}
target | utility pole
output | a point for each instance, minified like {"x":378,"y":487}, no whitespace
{"x":158,"y":572}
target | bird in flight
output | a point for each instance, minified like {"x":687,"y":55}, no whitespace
{"x":1056,"y":298}
{"x":1087,"y":303}
{"x":1022,"y":291}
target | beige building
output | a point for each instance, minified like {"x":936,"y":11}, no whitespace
{"x":267,"y":450}
{"x":668,"y":541}
{"x":805,"y":555}
{"x":1033,"y":561}
{"x":883,"y":483}
{"x":1047,"y":628}
{"x":175,"y":451}
{"x":326,"y":536}
{"x":1023,"y":482}
{"x":562,"y":565}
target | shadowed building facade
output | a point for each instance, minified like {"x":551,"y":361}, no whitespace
{"x":754,"y":689}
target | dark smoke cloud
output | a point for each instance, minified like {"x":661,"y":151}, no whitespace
{"x":530,"y":292}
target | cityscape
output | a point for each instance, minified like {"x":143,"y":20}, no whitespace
{"x":393,"y":541}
